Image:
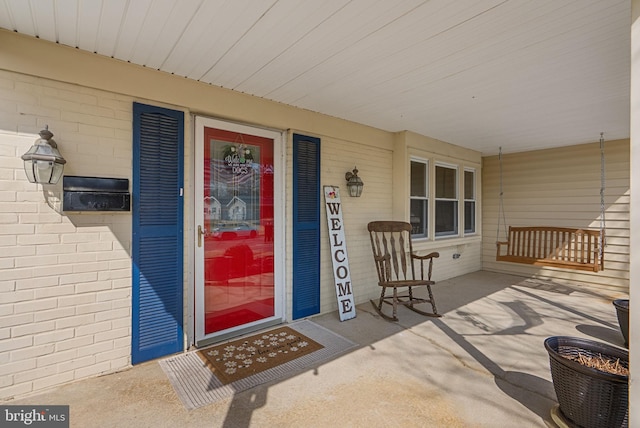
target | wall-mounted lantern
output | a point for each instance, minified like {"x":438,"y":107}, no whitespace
{"x":43,"y":163}
{"x":354,"y":183}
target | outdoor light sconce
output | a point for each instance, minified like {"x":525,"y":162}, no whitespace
{"x":43,"y":163}
{"x":354,"y":183}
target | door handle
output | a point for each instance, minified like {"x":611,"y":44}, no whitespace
{"x":201,"y":232}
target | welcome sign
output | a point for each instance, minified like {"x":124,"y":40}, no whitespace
{"x":339,"y":260}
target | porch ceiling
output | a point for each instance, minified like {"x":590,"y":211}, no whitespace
{"x":482,"y":74}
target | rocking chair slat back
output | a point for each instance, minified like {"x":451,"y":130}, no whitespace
{"x":388,"y":244}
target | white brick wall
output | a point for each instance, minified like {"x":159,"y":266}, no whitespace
{"x":65,"y":279}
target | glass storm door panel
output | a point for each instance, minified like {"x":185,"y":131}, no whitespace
{"x":236,"y":287}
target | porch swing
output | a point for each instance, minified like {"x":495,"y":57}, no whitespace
{"x":561,"y":247}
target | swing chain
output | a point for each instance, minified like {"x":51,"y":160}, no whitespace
{"x":501,"y":203}
{"x":602,"y":242}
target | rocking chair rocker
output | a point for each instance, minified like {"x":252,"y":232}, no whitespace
{"x":395,"y":268}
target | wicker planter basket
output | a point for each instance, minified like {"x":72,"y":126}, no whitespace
{"x":588,"y":397}
{"x":622,"y":310}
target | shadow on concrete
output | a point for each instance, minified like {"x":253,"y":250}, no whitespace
{"x":535,"y":393}
{"x":510,"y":317}
{"x":604,"y":334}
{"x":564,"y":308}
{"x":482,"y":364}
{"x":243,"y":406}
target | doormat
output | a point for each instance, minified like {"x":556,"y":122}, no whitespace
{"x":196,"y":385}
{"x":236,"y":360}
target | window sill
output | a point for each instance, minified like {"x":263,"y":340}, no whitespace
{"x":423,"y":244}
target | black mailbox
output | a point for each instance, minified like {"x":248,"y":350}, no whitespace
{"x":95,"y":194}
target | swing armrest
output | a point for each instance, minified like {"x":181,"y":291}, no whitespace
{"x":499,"y":245}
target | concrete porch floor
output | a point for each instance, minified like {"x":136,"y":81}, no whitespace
{"x":481,"y":365}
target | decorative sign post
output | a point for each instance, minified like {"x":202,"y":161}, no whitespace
{"x":342,"y":277}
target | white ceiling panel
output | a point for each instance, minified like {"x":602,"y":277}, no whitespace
{"x":483,"y":74}
{"x":209,"y":22}
{"x":20,"y":16}
{"x":111,"y":24}
{"x":297,"y":47}
{"x":5,"y":16}
{"x":131,"y":28}
{"x":45,"y":26}
{"x":272,"y":34}
{"x":334,"y":50}
{"x":229,"y":25}
{"x":66,"y":22}
{"x":88,"y":25}
{"x":151,"y":28}
{"x":179,"y":19}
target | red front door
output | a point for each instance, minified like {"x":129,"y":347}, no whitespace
{"x":237,"y":230}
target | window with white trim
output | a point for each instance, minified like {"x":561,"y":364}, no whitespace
{"x":419,"y":203}
{"x":446,"y":200}
{"x":469,"y":201}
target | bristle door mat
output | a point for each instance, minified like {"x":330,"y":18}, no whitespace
{"x":196,"y":385}
{"x":236,"y":360}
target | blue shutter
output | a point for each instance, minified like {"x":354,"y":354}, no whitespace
{"x":306,"y":226}
{"x":158,"y":140}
